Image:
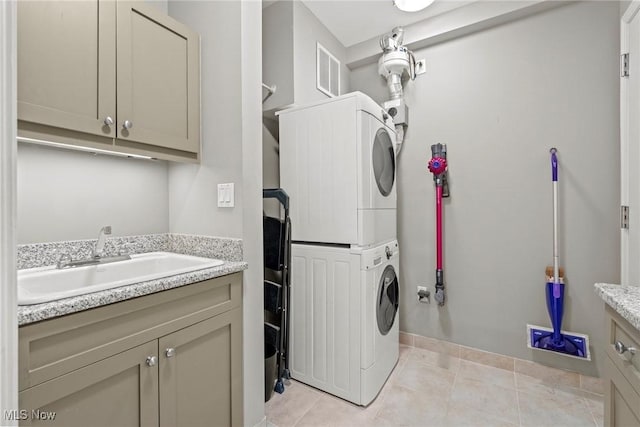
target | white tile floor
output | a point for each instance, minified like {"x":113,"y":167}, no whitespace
{"x":434,"y":389}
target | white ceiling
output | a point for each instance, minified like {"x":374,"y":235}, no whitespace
{"x":354,"y":21}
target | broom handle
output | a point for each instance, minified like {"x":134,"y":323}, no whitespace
{"x":554,"y":168}
{"x":555,"y":233}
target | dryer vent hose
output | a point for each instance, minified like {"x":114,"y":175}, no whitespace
{"x":394,"y":83}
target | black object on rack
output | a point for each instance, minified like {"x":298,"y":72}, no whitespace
{"x":277,"y":259}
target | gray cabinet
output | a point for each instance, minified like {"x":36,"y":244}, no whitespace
{"x":167,"y":359}
{"x":116,"y":75}
{"x":66,"y":64}
{"x":622,"y":373}
{"x":121,"y":390}
{"x":199,"y":369}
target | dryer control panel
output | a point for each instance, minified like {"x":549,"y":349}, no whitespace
{"x":375,"y":257}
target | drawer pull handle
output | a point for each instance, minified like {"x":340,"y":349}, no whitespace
{"x":170,"y":352}
{"x":621,"y":348}
{"x":151,"y":361}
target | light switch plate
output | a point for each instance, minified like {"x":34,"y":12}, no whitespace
{"x":226,"y":195}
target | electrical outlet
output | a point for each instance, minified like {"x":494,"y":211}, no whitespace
{"x":421,"y":66}
{"x":423,"y":294}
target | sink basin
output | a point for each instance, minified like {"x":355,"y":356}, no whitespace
{"x":44,"y":284}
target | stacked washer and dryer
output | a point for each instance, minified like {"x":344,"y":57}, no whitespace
{"x":337,"y":163}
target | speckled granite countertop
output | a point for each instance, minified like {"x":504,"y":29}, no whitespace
{"x":37,"y":312}
{"x":625,"y":300}
{"x":35,"y":255}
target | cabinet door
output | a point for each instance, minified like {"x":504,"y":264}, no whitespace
{"x":158,"y":71}
{"x":201,"y":373}
{"x":66,"y":64}
{"x":622,"y":403}
{"x":630,"y":147}
{"x":121,"y":390}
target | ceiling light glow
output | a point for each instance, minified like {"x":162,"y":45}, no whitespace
{"x":411,"y":5}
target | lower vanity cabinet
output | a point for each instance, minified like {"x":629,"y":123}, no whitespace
{"x":200,"y":366}
{"x":121,"y":390}
{"x":173,"y":358}
{"x":622,"y":404}
{"x":622,"y":373}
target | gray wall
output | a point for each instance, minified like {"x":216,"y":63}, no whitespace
{"x":193,"y":200}
{"x":289,"y":35}
{"x":270,"y":154}
{"x":67,"y":195}
{"x":307,"y":30}
{"x":230,"y":34}
{"x":500,"y":99}
{"x":277,"y":61}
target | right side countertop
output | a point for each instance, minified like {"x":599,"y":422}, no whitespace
{"x":624,"y":299}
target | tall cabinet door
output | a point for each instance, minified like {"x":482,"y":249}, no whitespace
{"x":66,"y":64}
{"x":82,"y":397}
{"x":158,"y":70}
{"x":630,"y":147}
{"x":201,"y":373}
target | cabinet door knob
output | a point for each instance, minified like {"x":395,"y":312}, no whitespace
{"x":127,"y":124}
{"x":170,"y":352}
{"x":621,"y":348}
{"x":152,"y":361}
{"x":108,"y":121}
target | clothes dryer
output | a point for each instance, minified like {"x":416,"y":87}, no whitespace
{"x":338,"y":165}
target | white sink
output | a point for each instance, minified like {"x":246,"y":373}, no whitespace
{"x":44,"y":284}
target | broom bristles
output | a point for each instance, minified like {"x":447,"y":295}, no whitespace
{"x":549,"y":272}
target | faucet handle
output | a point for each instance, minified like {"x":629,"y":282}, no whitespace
{"x":106,"y":229}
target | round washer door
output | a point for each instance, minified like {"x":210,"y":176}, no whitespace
{"x":387,"y":301}
{"x":384,"y":161}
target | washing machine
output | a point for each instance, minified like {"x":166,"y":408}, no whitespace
{"x":338,"y":165}
{"x":344,"y":336}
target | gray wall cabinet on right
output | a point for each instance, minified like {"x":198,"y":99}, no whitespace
{"x":120,"y":75}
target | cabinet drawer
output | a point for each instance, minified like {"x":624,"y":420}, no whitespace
{"x":621,"y":330}
{"x":54,"y":347}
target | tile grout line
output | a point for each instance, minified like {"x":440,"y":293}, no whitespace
{"x":518,"y":401}
{"x":593,"y":416}
{"x":450,"y":397}
{"x":515,"y":381}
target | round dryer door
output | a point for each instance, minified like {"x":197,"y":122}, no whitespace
{"x":387,"y":302}
{"x":384,"y":161}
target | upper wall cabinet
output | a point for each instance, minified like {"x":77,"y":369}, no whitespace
{"x":67,"y":65}
{"x":109,"y":74}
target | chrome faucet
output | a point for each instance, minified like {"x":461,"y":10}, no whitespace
{"x":97,"y":254}
{"x":98,"y":250}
